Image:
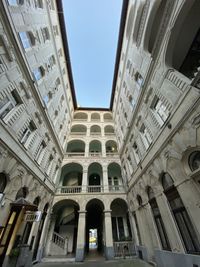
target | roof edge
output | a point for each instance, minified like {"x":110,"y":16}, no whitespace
{"x":66,"y":49}
{"x":119,"y":48}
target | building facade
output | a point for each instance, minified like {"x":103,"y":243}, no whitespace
{"x":131,"y":172}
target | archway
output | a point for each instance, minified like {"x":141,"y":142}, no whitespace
{"x":122,"y":235}
{"x":71,"y":175}
{"x":65,"y":221}
{"x":95,"y":176}
{"x":94,"y":227}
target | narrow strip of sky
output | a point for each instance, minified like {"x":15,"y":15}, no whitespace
{"x":92,"y":31}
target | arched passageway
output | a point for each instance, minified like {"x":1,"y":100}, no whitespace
{"x":94,"y":227}
{"x":63,"y":232}
{"x":71,"y":175}
{"x":95,"y":176}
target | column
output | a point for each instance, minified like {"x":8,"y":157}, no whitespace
{"x":80,"y":248}
{"x":134,"y":229}
{"x":43,"y":237}
{"x":105,"y":179}
{"x":109,"y":250}
{"x":50,"y":234}
{"x":190,"y":196}
{"x":85,"y":180}
{"x":86,"y":149}
{"x":103,"y":144}
{"x":169,"y":223}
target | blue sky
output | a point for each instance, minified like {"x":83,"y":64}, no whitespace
{"x":92,"y":31}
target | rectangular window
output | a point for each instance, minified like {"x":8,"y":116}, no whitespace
{"x":37,"y":74}
{"x":146,"y":137}
{"x":159,"y":224}
{"x":25,"y":39}
{"x":13,"y":2}
{"x":8,"y":103}
{"x":27,"y":132}
{"x":160,"y":109}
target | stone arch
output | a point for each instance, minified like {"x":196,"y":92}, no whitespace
{"x":95,"y":116}
{"x":71,"y":174}
{"x":180,"y":53}
{"x":76,"y":145}
{"x":95,"y":147}
{"x":78,"y":129}
{"x":81,"y":116}
{"x":95,"y":129}
{"x":153,"y":24}
{"x":130,"y":22}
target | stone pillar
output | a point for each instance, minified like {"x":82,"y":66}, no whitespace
{"x":43,"y":237}
{"x":50,"y":234}
{"x":88,"y":131}
{"x":80,"y":248}
{"x":85,"y":180}
{"x":103,"y":143}
{"x":169,"y":223}
{"x":190,"y":196}
{"x":105,"y":179}
{"x":87,"y":149}
{"x":109,"y":250}
{"x":134,"y":229}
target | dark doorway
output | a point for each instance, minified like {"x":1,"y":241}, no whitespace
{"x":94,"y":226}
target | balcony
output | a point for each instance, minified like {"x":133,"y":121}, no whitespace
{"x":65,"y":190}
{"x":74,"y":154}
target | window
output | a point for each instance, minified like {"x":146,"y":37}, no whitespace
{"x":160,"y":109}
{"x":27,"y":132}
{"x":51,"y":62}
{"x":15,"y":2}
{"x":38,"y":73}
{"x":139,"y":79}
{"x":22,"y":193}
{"x":40,"y":149}
{"x":45,"y":34}
{"x":158,"y":220}
{"x":38,"y":3}
{"x":146,"y":137}
{"x":24,"y":37}
{"x":118,"y":229}
{"x":8,"y":103}
{"x":194,"y":160}
{"x":3,"y":183}
{"x":181,"y":216}
{"x":136,"y":153}
{"x":55,"y":30}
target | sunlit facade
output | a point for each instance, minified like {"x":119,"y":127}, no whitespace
{"x":124,"y":181}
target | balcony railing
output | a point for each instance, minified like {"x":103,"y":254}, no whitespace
{"x":112,"y":154}
{"x":90,"y":189}
{"x":95,"y":154}
{"x":123,"y":249}
{"x":95,"y":188}
{"x":75,"y":154}
{"x":109,"y":133}
{"x":95,"y":133}
{"x":116,"y":188}
{"x":78,"y":133}
{"x":69,"y":190}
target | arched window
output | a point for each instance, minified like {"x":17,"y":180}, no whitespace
{"x":37,"y":201}
{"x":130,"y":22}
{"x":194,"y":160}
{"x":158,"y":219}
{"x":3,"y":182}
{"x":22,"y":193}
{"x":183,"y":47}
{"x":181,"y":216}
{"x":139,"y":200}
